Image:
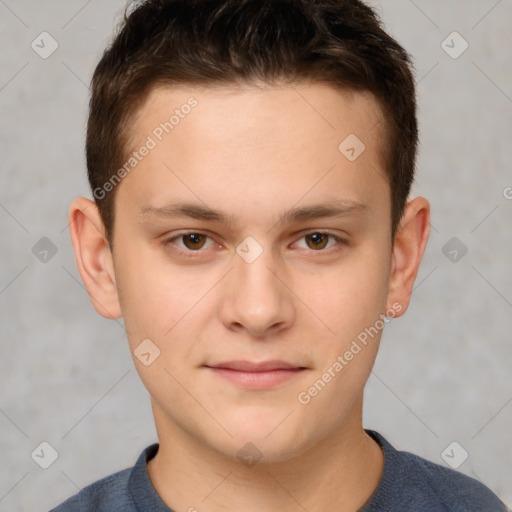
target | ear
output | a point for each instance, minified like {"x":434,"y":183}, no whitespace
{"x":408,"y":248}
{"x":93,"y":256}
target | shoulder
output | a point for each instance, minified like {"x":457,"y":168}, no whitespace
{"x":114,"y":492}
{"x":109,"y":493}
{"x":421,"y":485}
{"x":454,"y":490}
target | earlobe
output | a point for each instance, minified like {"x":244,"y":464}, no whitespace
{"x":408,"y":249}
{"x":93,"y":256}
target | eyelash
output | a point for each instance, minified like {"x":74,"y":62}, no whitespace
{"x":194,"y":254}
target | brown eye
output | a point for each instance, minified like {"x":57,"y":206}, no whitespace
{"x":317,"y":240}
{"x":194,"y":240}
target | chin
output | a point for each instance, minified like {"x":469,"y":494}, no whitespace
{"x":269,"y":441}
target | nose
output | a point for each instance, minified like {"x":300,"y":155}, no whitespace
{"x":255,"y":298}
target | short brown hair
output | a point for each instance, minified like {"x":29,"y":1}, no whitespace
{"x":215,"y":42}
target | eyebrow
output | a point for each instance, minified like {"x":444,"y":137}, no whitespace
{"x":337,"y":208}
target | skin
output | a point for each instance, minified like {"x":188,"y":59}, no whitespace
{"x":254,"y":153}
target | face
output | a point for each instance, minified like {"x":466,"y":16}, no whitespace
{"x":251,"y":233}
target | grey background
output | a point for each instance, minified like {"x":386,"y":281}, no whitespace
{"x":443,"y":373}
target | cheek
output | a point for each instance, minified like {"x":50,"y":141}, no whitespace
{"x":351,"y":306}
{"x":149,"y":295}
{"x":165,"y":303}
{"x":353,"y":296}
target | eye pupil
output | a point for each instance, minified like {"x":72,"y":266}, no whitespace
{"x":319,"y":240}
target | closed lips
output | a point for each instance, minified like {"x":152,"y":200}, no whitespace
{"x":247,"y":366}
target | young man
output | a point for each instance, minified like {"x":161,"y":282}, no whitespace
{"x":251,"y":162}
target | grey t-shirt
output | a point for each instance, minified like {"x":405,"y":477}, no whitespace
{"x":408,"y":483}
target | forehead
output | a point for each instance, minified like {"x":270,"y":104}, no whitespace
{"x":305,"y":109}
{"x":252,"y":141}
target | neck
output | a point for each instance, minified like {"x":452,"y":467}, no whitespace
{"x":340,"y":471}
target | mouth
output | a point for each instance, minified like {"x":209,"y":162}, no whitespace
{"x":256,"y":375}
